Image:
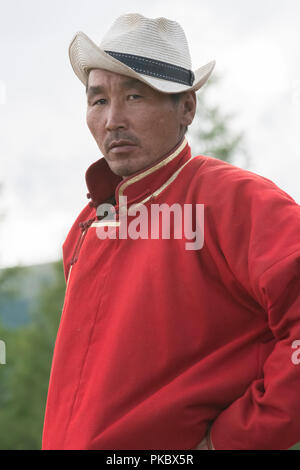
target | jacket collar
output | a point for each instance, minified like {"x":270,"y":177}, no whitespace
{"x":103,"y":184}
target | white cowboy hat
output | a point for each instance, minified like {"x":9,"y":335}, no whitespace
{"x":152,"y":50}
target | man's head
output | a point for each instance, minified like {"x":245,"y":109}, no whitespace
{"x":133,"y":124}
{"x":141,"y":89}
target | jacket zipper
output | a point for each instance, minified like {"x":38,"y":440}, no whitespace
{"x":84,"y":226}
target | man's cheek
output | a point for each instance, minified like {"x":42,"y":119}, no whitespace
{"x":93,"y":122}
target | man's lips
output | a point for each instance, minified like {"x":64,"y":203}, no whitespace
{"x":121,"y":146}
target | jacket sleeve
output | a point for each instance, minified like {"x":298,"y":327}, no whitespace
{"x":267,"y":415}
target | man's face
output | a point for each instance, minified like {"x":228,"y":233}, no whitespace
{"x":133,"y":124}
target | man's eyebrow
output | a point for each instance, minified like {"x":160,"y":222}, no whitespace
{"x":127,"y":84}
{"x":94,"y":90}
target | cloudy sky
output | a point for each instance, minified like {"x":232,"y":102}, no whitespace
{"x":45,"y":145}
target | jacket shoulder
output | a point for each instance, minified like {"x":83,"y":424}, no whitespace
{"x":217,"y":177}
{"x":252,"y":221}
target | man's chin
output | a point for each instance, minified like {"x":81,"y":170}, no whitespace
{"x":123,"y":170}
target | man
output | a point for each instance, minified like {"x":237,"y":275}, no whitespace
{"x":165,"y":343}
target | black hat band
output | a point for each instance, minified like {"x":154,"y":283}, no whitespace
{"x":155,"y":68}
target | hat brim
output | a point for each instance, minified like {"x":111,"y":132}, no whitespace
{"x":85,"y":55}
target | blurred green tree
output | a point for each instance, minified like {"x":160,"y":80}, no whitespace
{"x":26,"y":373}
{"x":211,"y":131}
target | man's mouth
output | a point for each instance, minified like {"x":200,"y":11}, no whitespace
{"x":120,"y":146}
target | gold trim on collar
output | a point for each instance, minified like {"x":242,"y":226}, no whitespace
{"x":154,"y":168}
{"x":108,"y":223}
{"x":112,"y":223}
{"x":159,"y":190}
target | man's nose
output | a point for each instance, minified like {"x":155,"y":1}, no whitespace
{"x":116,"y":116}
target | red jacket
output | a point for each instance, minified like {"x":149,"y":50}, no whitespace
{"x":156,"y":342}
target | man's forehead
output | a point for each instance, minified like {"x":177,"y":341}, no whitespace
{"x":100,"y":77}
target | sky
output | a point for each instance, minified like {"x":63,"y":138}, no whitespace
{"x":45,"y":145}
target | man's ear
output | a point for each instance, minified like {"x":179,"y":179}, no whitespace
{"x":188,"y":107}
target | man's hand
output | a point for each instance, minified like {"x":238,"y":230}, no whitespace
{"x":203,"y":445}
{"x":206,"y":443}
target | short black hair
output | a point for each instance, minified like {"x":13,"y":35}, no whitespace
{"x":175,"y":97}
{"x":87,"y":80}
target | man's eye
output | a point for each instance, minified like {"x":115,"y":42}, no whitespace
{"x":134,"y":97}
{"x":101,"y":101}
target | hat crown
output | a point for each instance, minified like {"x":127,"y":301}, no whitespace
{"x":156,"y":38}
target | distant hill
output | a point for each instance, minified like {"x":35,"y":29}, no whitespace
{"x":19,"y":287}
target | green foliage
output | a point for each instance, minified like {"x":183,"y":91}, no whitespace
{"x":211,"y":132}
{"x":13,"y":306}
{"x":25,"y":376}
{"x":296,"y":447}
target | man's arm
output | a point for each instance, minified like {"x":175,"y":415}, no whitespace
{"x":258,"y":231}
{"x":267,"y":416}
